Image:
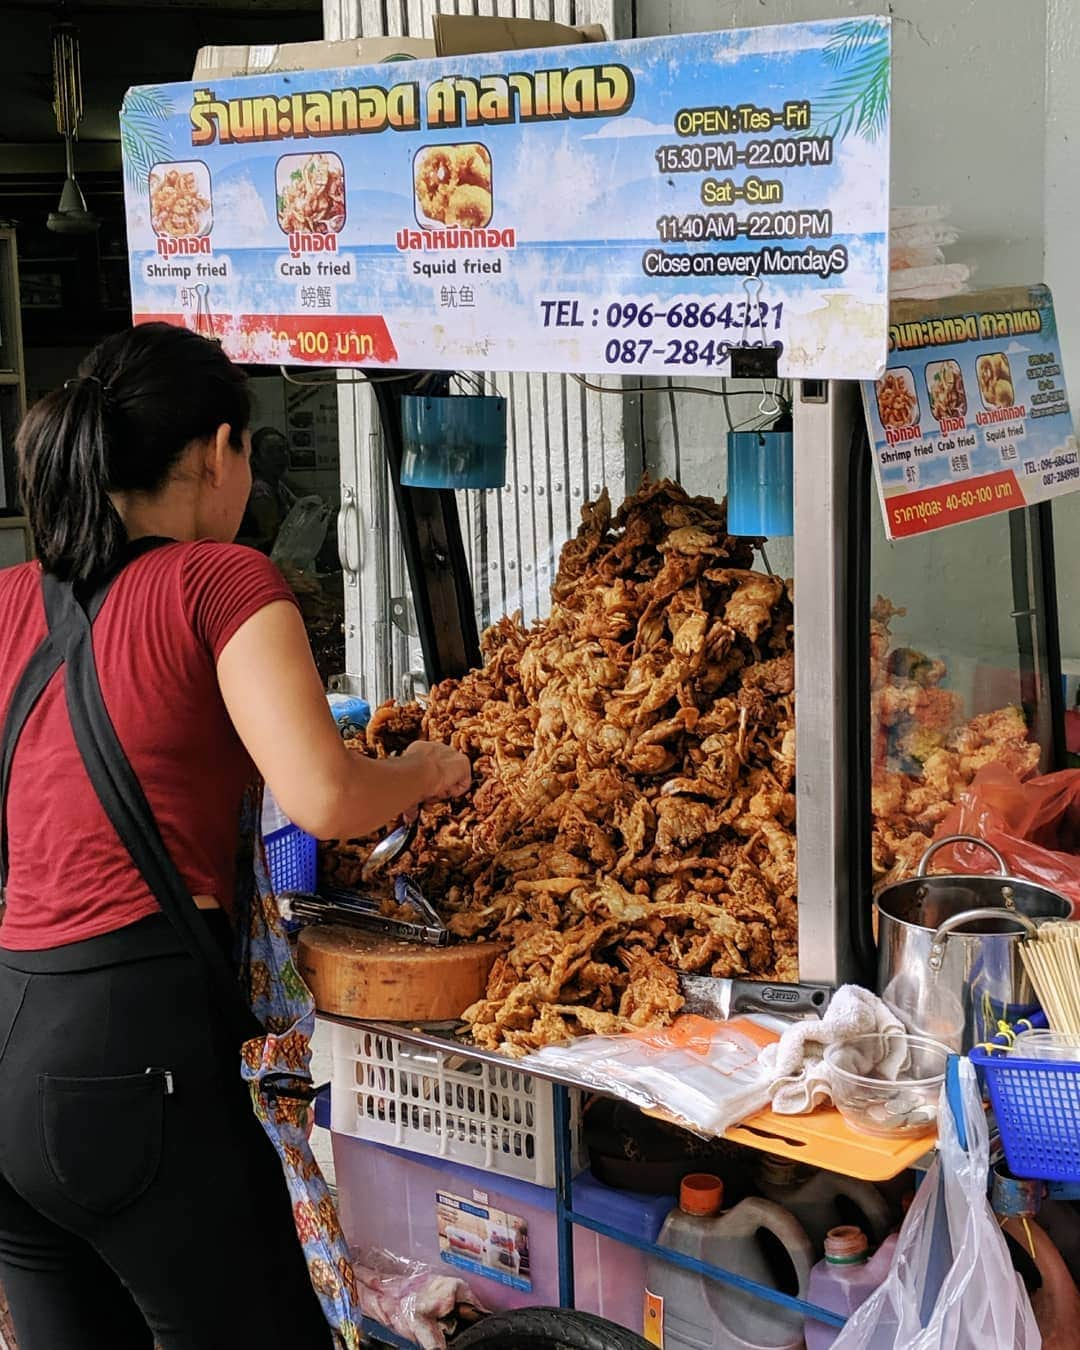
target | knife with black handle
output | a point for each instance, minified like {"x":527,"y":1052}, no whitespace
{"x":720,"y":998}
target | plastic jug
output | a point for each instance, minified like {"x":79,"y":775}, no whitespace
{"x":822,"y":1201}
{"x":845,"y":1279}
{"x":686,"y":1311}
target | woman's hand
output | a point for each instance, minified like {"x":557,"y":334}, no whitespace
{"x":276,"y":702}
{"x":450,"y":771}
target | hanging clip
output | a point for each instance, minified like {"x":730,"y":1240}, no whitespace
{"x":204,"y":320}
{"x":770,"y":406}
{"x":753,"y":286}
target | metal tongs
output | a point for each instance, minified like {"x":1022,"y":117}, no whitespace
{"x":356,"y":910}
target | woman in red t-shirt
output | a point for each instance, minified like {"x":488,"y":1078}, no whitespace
{"x":118,"y":1228}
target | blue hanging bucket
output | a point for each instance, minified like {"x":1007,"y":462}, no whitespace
{"x":761,"y":498}
{"x":455,"y":442}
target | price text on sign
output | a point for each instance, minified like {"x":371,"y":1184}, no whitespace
{"x":971,"y":416}
{"x":649,"y":205}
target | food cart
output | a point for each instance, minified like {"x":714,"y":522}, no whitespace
{"x":883,"y":685}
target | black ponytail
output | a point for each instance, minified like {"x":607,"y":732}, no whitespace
{"x":139,"y":400}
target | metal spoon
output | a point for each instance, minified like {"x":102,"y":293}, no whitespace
{"x":386,"y":850}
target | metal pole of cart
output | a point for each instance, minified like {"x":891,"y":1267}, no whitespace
{"x":431,"y":538}
{"x":564,"y":1194}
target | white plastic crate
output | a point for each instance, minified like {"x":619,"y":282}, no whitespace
{"x":443,"y":1104}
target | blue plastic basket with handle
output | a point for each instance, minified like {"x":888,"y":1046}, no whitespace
{"x":292,"y":857}
{"x":1037,"y":1105}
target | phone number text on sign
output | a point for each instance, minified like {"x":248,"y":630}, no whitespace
{"x":742,"y":323}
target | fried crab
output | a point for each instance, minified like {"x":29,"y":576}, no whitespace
{"x":633,"y":809}
{"x":633,"y":758}
{"x":924,"y":754}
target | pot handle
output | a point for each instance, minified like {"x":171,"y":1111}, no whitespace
{"x":937,"y":947}
{"x":924,"y":861}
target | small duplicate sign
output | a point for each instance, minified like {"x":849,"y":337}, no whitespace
{"x":971,"y":416}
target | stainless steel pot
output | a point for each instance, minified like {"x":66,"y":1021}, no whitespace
{"x":949,"y":948}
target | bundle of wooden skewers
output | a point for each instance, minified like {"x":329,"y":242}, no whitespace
{"x":1052,"y":960}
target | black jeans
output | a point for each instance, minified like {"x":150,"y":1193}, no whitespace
{"x":140,"y":1199}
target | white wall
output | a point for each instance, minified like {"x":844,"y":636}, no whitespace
{"x":985,"y":119}
{"x":961,"y":69}
{"x":1061,"y":214}
{"x":1062,"y":173}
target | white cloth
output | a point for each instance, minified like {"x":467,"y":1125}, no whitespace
{"x":799,"y":1078}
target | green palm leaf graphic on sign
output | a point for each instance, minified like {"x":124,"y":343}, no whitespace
{"x":850,"y":39}
{"x":143,"y":136}
{"x":857,"y":101}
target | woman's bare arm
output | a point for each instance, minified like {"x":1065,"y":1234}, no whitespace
{"x":275,"y":699}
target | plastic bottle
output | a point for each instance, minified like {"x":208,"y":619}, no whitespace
{"x":845,"y":1279}
{"x":822,"y":1201}
{"x":694,"y":1312}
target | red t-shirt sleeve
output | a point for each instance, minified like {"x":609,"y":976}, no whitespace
{"x":223,"y":585}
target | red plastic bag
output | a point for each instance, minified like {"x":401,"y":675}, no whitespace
{"x":1035,"y":826}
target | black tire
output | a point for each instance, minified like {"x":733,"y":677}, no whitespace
{"x":547,"y":1329}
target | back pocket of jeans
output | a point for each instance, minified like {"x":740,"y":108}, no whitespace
{"x":101,"y":1137}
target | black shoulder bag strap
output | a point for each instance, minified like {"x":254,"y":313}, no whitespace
{"x":125,"y":804}
{"x":32,"y":683}
{"x":116,"y":785}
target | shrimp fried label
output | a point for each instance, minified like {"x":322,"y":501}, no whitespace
{"x":647,"y":206}
{"x":971,"y":417}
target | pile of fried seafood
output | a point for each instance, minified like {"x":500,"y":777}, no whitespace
{"x":633,"y":755}
{"x":924,"y":754}
{"x":633,"y":809}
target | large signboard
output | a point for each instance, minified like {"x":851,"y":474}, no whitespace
{"x":971,"y":416}
{"x":627,"y":207}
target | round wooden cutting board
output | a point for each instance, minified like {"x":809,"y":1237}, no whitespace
{"x":357,"y":974}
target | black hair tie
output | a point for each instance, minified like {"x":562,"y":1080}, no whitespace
{"x":106,"y":389}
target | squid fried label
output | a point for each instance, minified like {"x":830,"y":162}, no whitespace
{"x":971,"y":416}
{"x":647,"y":206}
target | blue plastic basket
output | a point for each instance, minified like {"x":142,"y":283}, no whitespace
{"x":293,"y":861}
{"x":1037,"y":1105}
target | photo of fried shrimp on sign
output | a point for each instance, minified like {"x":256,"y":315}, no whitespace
{"x":453,"y":185}
{"x":180,"y":201}
{"x":898,"y":403}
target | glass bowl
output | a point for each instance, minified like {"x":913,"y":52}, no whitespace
{"x":893,"y":1108}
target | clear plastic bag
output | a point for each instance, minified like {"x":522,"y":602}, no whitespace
{"x":703,"y":1075}
{"x":302,"y":534}
{"x":421,"y":1303}
{"x":951,"y":1285}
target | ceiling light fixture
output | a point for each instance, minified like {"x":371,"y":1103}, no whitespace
{"x":71,"y":216}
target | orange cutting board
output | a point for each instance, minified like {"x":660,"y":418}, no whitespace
{"x":356,"y":974}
